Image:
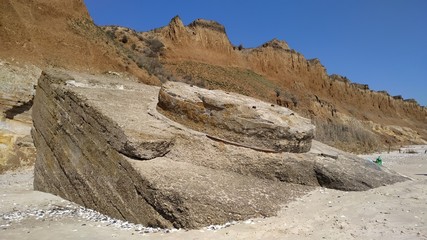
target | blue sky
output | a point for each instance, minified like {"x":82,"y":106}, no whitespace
{"x":382,"y":43}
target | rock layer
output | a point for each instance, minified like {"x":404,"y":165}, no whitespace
{"x":101,"y":143}
{"x":17,"y":88}
{"x":238,"y":118}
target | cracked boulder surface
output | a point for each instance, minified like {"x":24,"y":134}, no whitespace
{"x":237,"y":118}
{"x":102,"y":143}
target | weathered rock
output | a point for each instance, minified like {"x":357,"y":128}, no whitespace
{"x":17,"y":88}
{"x":16,"y":149}
{"x":237,"y":118}
{"x":322,"y":166}
{"x":171,"y":175}
{"x":203,"y":23}
{"x":276,"y":44}
{"x":339,"y":170}
{"x":82,"y":130}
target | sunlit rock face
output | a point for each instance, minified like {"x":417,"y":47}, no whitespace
{"x":17,"y":88}
{"x":238,"y":118}
{"x":102,"y":143}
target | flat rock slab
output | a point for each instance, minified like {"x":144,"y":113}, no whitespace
{"x":102,"y":143}
{"x":237,"y":118}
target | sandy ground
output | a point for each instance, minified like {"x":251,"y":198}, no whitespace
{"x":397,"y":211}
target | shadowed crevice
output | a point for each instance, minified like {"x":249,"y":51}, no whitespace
{"x":16,"y":110}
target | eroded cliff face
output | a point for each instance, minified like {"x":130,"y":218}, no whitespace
{"x":102,"y":143}
{"x":62,"y":34}
{"x":201,"y":53}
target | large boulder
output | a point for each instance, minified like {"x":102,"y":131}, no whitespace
{"x":237,"y":118}
{"x":102,"y":143}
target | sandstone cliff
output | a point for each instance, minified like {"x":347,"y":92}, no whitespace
{"x":62,"y":34}
{"x":102,"y":143}
{"x":201,"y":53}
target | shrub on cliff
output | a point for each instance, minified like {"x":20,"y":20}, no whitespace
{"x":351,"y":136}
{"x":155,"y":47}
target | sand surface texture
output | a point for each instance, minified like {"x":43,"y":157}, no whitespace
{"x":397,"y":211}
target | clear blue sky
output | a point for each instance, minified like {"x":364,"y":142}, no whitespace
{"x":382,"y":43}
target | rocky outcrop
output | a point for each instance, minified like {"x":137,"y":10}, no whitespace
{"x":102,"y":143}
{"x":336,"y":77}
{"x":209,"y":24}
{"x":276,"y":44}
{"x":360,"y":86}
{"x":17,"y":90}
{"x":237,"y":118}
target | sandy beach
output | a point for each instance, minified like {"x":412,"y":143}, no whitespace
{"x":397,"y":211}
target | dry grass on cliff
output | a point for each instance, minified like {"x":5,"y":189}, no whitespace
{"x":351,"y":136}
{"x":232,"y":79}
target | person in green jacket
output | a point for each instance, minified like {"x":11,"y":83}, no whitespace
{"x":379,"y":161}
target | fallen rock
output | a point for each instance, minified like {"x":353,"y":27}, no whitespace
{"x":102,"y":143}
{"x":82,"y":132}
{"x":17,"y":90}
{"x":237,"y":118}
{"x":343,"y":171}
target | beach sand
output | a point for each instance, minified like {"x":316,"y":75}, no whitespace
{"x":397,"y":211}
